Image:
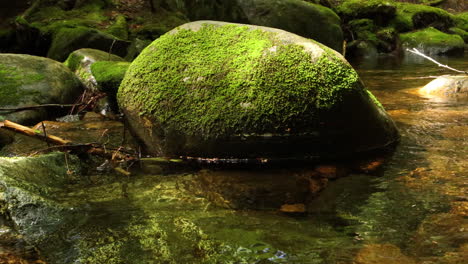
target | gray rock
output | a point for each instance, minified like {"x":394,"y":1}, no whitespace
{"x":29,"y":80}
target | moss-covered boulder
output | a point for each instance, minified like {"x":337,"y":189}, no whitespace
{"x":80,"y":62}
{"x":447,"y":87}
{"x":413,"y":16}
{"x":433,"y":41}
{"x":27,"y":80}
{"x":214,"y":89}
{"x":460,"y":32}
{"x":461,"y":21}
{"x":380,"y":11}
{"x":67,"y":40}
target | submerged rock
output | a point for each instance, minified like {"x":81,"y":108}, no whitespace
{"x":29,"y":80}
{"x":214,"y":89}
{"x":455,"y":87}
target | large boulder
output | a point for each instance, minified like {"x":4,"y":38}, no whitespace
{"x":215,"y":89}
{"x":29,"y":80}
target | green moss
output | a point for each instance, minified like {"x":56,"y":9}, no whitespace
{"x":375,"y":100}
{"x":431,"y":37}
{"x":73,"y":62}
{"x":119,"y":28}
{"x":363,"y":29}
{"x":64,"y":40}
{"x":51,"y":19}
{"x":461,"y":21}
{"x":460,"y":32}
{"x":265,"y":84}
{"x":352,"y":9}
{"x":109,"y":74}
{"x":12,"y":80}
{"x":407,"y":14}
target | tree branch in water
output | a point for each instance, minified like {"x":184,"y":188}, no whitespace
{"x":417,"y":52}
{"x":66,"y":145}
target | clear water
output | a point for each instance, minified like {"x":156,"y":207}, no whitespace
{"x":414,"y":212}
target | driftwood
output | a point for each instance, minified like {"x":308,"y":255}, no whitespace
{"x":67,"y":145}
{"x":32,"y":107}
{"x":417,"y":52}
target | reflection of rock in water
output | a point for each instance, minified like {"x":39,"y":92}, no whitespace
{"x":262,"y":189}
{"x":289,"y":190}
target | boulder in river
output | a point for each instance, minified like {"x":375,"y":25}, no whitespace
{"x":27,"y":80}
{"x":448,"y":86}
{"x":215,"y":89}
{"x":433,"y":41}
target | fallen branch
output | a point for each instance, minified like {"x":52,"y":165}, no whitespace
{"x":32,"y":107}
{"x":32,"y":133}
{"x":66,"y":145}
{"x":417,"y":52}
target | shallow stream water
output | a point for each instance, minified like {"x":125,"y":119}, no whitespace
{"x":414,"y":211}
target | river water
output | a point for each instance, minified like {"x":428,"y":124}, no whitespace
{"x":414,"y":210}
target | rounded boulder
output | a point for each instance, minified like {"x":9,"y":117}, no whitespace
{"x":223,"y":90}
{"x":27,"y":80}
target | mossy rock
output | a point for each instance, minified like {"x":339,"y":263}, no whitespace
{"x":461,"y":20}
{"x":460,"y":32}
{"x":305,"y":19}
{"x":67,"y":40}
{"x":215,"y":89}
{"x":433,"y":41}
{"x":381,"y":11}
{"x":29,"y":80}
{"x":99,"y":71}
{"x":119,"y":28}
{"x":413,"y":16}
{"x":80,"y":61}
{"x":26,"y":185}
